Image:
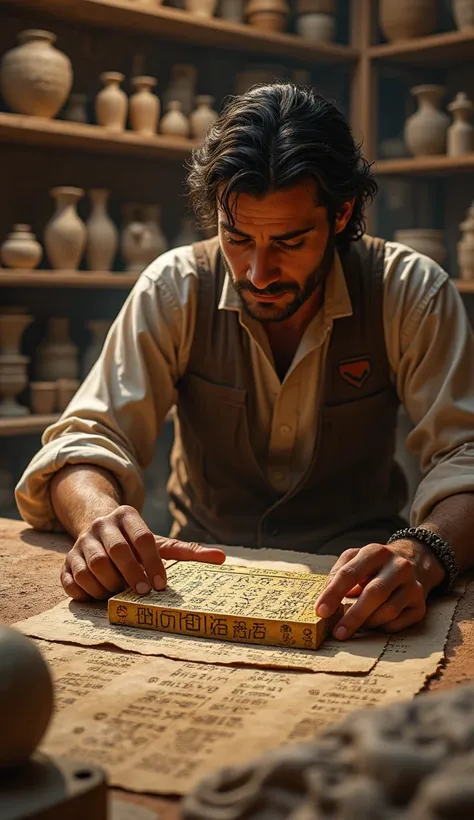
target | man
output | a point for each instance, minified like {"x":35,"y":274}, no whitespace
{"x":287,"y":343}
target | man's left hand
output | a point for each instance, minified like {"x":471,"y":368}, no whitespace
{"x":391,"y":583}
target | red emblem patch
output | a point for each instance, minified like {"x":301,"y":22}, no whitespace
{"x":355,"y":371}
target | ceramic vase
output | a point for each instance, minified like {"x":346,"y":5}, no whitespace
{"x":98,"y":329}
{"x":203,"y":116}
{"x":182,"y":87}
{"x":201,"y":8}
{"x":463,"y":13}
{"x":425,"y":131}
{"x":232,"y":10}
{"x":76,"y":110}
{"x":65,"y":234}
{"x":136,"y":241}
{"x":405,"y":19}
{"x":43,"y":397}
{"x":460,"y":133}
{"x":13,"y":323}
{"x":111,"y":102}
{"x":36,"y":78}
{"x":428,"y":241}
{"x":174,"y":123}
{"x":316,"y":27}
{"x":102,"y":235}
{"x":152,"y":218}
{"x":466,"y":246}
{"x":57,"y":356}
{"x":21,"y":249}
{"x":268,"y":15}
{"x":187,"y":234}
{"x":144,"y":107}
{"x":13,"y":380}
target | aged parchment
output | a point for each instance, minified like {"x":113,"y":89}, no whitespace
{"x":160,"y":725}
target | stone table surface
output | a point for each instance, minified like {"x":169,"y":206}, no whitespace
{"x":30,"y":562}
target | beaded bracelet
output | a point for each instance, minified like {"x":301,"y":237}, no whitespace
{"x":444,"y":553}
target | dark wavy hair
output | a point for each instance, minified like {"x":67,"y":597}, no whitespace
{"x":271,"y":138}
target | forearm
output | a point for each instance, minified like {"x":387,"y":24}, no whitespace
{"x":81,"y":493}
{"x":453,"y":520}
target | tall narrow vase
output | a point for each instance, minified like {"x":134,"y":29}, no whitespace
{"x":111,"y":103}
{"x":425,"y":131}
{"x":57,"y":356}
{"x":65,"y":234}
{"x":13,"y":323}
{"x":144,"y":106}
{"x":102,"y":235}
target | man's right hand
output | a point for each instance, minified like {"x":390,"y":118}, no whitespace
{"x":118,"y":550}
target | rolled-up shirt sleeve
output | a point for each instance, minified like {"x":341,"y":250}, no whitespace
{"x":117,"y":414}
{"x":430,"y":344}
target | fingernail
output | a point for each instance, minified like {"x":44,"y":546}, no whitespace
{"x":341,"y":633}
{"x":159,"y":582}
{"x":323,"y":611}
{"x":143,"y":588}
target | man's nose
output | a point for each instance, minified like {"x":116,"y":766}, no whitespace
{"x":262,"y":272}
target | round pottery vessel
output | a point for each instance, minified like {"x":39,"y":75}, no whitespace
{"x":65,"y":234}
{"x":21,"y":249}
{"x":43,"y":397}
{"x":426,"y":131}
{"x":203,"y":117}
{"x":465,"y":246}
{"x":460,"y":138}
{"x":174,"y":123}
{"x":36,"y":78}
{"x":405,"y":19}
{"x":428,"y":241}
{"x":111,"y":102}
{"x":269,"y":15}
{"x":201,"y":8}
{"x":317,"y":27}
{"x":463,"y":13}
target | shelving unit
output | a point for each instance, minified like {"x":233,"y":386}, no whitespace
{"x":25,"y":425}
{"x":66,"y":279}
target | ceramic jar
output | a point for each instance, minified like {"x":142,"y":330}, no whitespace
{"x":268,"y":15}
{"x":427,"y":241}
{"x":65,"y":234}
{"x":425,"y":131}
{"x":201,"y":8}
{"x":21,"y":249}
{"x":76,"y":110}
{"x":460,"y":133}
{"x":466,"y":246}
{"x":203,"y":116}
{"x":57,"y":356}
{"x":152,"y":218}
{"x":111,"y":102}
{"x":102,"y":235}
{"x":463,"y":13}
{"x":43,"y":397}
{"x":137,"y":240}
{"x":36,"y":78}
{"x":13,"y":380}
{"x":182,"y":87}
{"x":144,"y":109}
{"x":174,"y":123}
{"x":405,"y":19}
{"x":13,"y":323}
{"x":98,"y":329}
{"x":317,"y":27}
{"x":232,"y":10}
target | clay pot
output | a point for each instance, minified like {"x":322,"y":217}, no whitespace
{"x":232,"y":10}
{"x":102,"y":235}
{"x":268,"y":15}
{"x":203,"y":116}
{"x":36,"y":78}
{"x":111,"y":103}
{"x":13,"y":380}
{"x":13,"y":323}
{"x":466,"y":246}
{"x":463,"y":13}
{"x":460,"y":134}
{"x":405,"y":19}
{"x":316,"y":27}
{"x":174,"y":123}
{"x":152,"y":219}
{"x":43,"y":397}
{"x":427,"y":241}
{"x":20,"y":249}
{"x":201,"y":8}
{"x":144,"y":106}
{"x":57,"y":356}
{"x":425,"y":131}
{"x":76,"y":110}
{"x":136,"y":241}
{"x":65,"y":234}
{"x":98,"y":329}
{"x":182,"y":87}
{"x":67,"y":389}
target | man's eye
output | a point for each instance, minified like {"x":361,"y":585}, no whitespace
{"x":236,"y":241}
{"x":293,"y":247}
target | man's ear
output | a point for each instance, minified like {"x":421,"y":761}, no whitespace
{"x":343,"y":215}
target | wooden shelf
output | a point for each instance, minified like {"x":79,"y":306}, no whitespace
{"x":174,"y":24}
{"x":25,"y":425}
{"x":464,"y":285}
{"x":451,"y":46}
{"x":62,"y":134}
{"x":439,"y":165}
{"x":65,"y":279}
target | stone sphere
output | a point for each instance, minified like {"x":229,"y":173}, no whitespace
{"x":26,"y":697}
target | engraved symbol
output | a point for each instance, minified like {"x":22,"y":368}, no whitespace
{"x":122,"y":611}
{"x":355,"y":371}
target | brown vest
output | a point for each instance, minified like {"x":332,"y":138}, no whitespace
{"x":218,"y":491}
